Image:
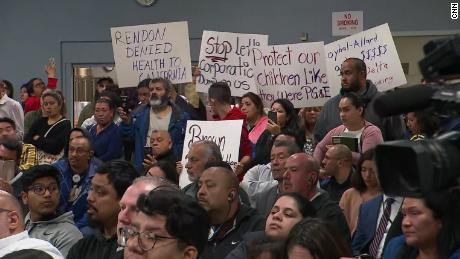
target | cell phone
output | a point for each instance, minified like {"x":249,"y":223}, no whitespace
{"x":272,"y":116}
{"x":124,"y":103}
{"x":51,"y":61}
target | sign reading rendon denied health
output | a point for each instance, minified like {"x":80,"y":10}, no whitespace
{"x":226,"y":134}
{"x":296,"y":72}
{"x":151,"y":51}
{"x":376,"y":47}
{"x":226,"y":56}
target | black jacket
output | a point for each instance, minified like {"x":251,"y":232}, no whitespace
{"x":247,"y":220}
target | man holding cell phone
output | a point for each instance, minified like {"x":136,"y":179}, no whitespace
{"x":159,"y":114}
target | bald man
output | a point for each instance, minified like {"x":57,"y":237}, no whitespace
{"x":230,"y":219}
{"x":301,"y":176}
{"x":338,"y":164}
{"x":13,"y":236}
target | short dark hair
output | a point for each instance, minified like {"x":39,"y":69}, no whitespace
{"x":12,"y":145}
{"x":144,"y":83}
{"x":357,"y":180}
{"x":222,"y":164}
{"x":264,"y":245}
{"x":107,"y":79}
{"x":220,"y":91}
{"x":27,"y":254}
{"x":186,"y":220}
{"x":357,"y":101}
{"x":86,"y":135}
{"x":256,"y":100}
{"x":304,"y":205}
{"x":121,"y":174}
{"x":320,"y":237}
{"x":9,"y":87}
{"x":169,"y":169}
{"x":8,"y":120}
{"x":112,"y":96}
{"x":36,"y":172}
{"x":360,"y":65}
{"x":292,"y":147}
{"x":110,"y":103}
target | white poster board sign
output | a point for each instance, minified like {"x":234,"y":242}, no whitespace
{"x":226,"y":56}
{"x":226,"y":134}
{"x":296,"y":72}
{"x":376,"y":47}
{"x":347,"y":23}
{"x":150,"y":51}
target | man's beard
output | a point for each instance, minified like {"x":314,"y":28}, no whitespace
{"x":156,"y":102}
{"x":95,"y":223}
{"x":353,"y":87}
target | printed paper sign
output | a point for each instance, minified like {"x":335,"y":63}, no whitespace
{"x":296,"y":72}
{"x":376,"y":47}
{"x":151,"y":51}
{"x":226,"y":134}
{"x":226,"y":56}
{"x":347,"y":23}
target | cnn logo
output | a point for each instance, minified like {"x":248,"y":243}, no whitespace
{"x":454,"y":11}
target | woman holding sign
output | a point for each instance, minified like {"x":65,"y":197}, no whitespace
{"x":355,"y":132}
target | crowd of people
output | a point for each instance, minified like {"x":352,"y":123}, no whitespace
{"x":109,"y":187}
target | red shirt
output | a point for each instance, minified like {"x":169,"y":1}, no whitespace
{"x":33,"y":102}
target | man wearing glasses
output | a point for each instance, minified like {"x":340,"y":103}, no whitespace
{"x":41,"y":194}
{"x":169,"y":224}
{"x":13,"y":236}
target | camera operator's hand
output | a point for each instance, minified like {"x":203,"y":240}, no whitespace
{"x":124,"y":116}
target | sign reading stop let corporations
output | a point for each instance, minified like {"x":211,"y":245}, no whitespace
{"x":226,"y":56}
{"x":151,"y":51}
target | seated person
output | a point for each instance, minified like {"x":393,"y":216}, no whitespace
{"x":230,"y":219}
{"x":289,"y":209}
{"x":41,"y":195}
{"x":165,"y":170}
{"x":169,"y":224}
{"x":160,"y":148}
{"x":13,"y":236}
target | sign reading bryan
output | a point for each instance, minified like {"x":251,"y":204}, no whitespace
{"x":226,"y":56}
{"x":150,"y":51}
{"x":376,"y":47}
{"x":226,"y":134}
{"x":296,"y":72}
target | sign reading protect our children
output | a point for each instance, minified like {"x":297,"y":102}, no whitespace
{"x":296,"y":72}
{"x":226,"y":134}
{"x":226,"y":56}
{"x":376,"y":47}
{"x":151,"y":51}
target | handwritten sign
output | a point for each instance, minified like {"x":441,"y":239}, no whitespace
{"x":376,"y":47}
{"x":296,"y":72}
{"x":226,"y":134}
{"x":151,"y":51}
{"x":347,"y":23}
{"x":226,"y":56}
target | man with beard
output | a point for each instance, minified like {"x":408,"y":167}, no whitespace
{"x":159,"y":114}
{"x":107,"y":188}
{"x":354,"y":72}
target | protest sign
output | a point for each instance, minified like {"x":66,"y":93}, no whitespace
{"x":296,"y":72}
{"x":151,"y":51}
{"x":376,"y":47}
{"x":347,"y":23}
{"x":226,"y":56}
{"x":226,"y":134}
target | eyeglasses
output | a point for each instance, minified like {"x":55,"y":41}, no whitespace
{"x":40,"y":189}
{"x":146,"y":240}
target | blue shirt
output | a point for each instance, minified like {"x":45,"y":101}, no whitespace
{"x":107,"y":145}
